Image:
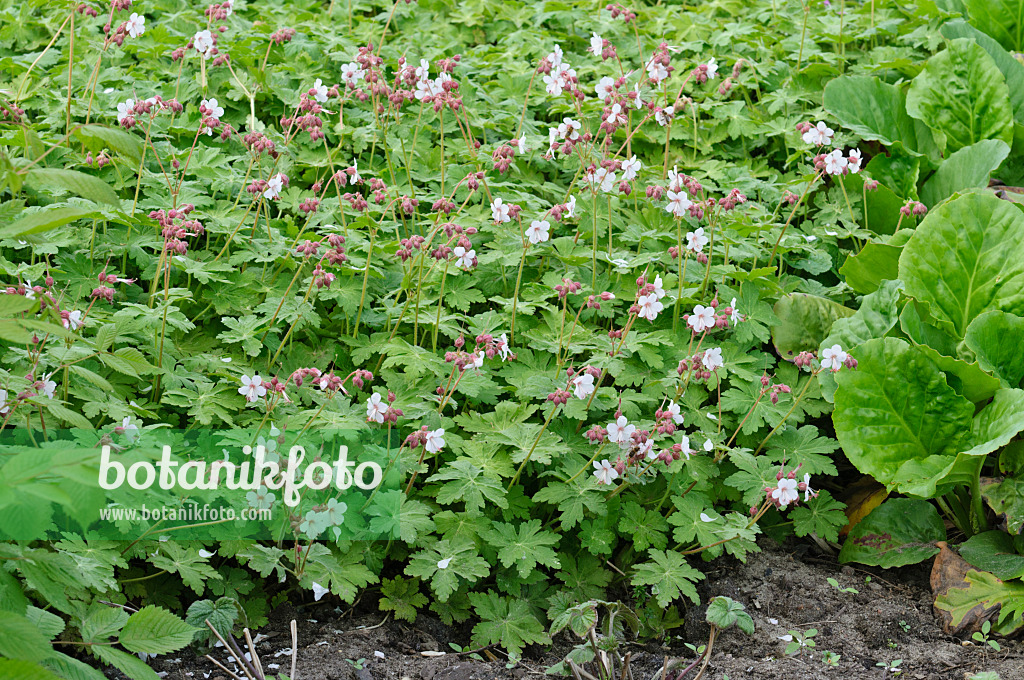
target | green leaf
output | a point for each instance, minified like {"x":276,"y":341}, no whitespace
{"x":896,"y":407}
{"x":97,"y":137}
{"x":646,"y":528}
{"x":804,"y":321}
{"x":49,"y":624}
{"x":14,"y":305}
{"x":506,"y":621}
{"x":962,"y":96}
{"x":876,"y":317}
{"x":13,"y":669}
{"x":669,"y":576}
{"x":402,"y":596}
{"x":985,"y":591}
{"x":822,"y":516}
{"x":1001,"y":19}
{"x":221,"y":614}
{"x":965,"y":258}
{"x":875,"y":263}
{"x":994,"y":551}
{"x":1006,"y":497}
{"x":78,"y":183}
{"x":193,"y":568}
{"x":45,"y":219}
{"x":994,"y":337}
{"x":725,"y":612}
{"x":898,"y":532}
{"x":154,"y":630}
{"x":873,"y":109}
{"x":966,"y":168}
{"x":580,"y":618}
{"x":445,"y":563}
{"x":524,"y":546}
{"x":129,"y":664}
{"x":19,"y":639}
{"x":1012,"y":69}
{"x":469,"y":484}
{"x":996,"y":424}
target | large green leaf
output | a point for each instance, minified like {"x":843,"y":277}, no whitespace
{"x":967,"y":379}
{"x":966,"y":168}
{"x":804,"y":321}
{"x":867,"y":269}
{"x":97,"y":137}
{"x":1012,"y":69}
{"x":1006,"y":497}
{"x":898,"y":532}
{"x":1001,"y":19}
{"x":876,"y":110}
{"x":154,"y":630}
{"x":896,"y":407}
{"x":877,"y":314}
{"x":78,"y":183}
{"x":996,"y":424}
{"x":962,"y":96}
{"x":995,"y":338}
{"x":994,"y":551}
{"x":44,"y":219}
{"x":966,"y":258}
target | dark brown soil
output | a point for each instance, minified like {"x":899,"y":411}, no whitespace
{"x":889,"y":618}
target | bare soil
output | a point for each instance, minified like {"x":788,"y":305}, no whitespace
{"x":888,"y":618}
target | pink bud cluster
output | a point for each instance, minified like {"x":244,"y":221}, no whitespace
{"x":620,"y":12}
{"x":568,"y":287}
{"x":915,"y":208}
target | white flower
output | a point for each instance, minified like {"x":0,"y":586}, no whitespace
{"x":596,"y":44}
{"x":678,"y":203}
{"x":211,"y":105}
{"x":833,"y":357}
{"x":808,"y":491}
{"x":203,"y":42}
{"x":521,"y":144}
{"x":646,"y":449}
{"x":49,"y":387}
{"x":659,"y":292}
{"x":136,"y":25}
{"x":125,"y":109}
{"x":685,"y":446}
{"x":351,"y":73}
{"x":630,"y":168}
{"x":464,"y":258}
{"x":709,"y":446}
{"x":129,"y":429}
{"x":503,"y":348}
{"x":443,"y":564}
{"x":4,"y":408}
{"x":657,"y":72}
{"x":569,"y":129}
{"x":274,"y":186}
{"x":583,"y":385}
{"x":696,"y":240}
{"x":734,"y":317}
{"x":786,"y":493}
{"x":74,"y":320}
{"x":615,"y":115}
{"x":556,"y":56}
{"x":605,"y":178}
{"x":676,"y":179}
{"x":664,"y":116}
{"x":336,"y":512}
{"x":537,"y":232}
{"x":713,"y":359}
{"x":261,"y":499}
{"x":499,"y":211}
{"x":835,"y":163}
{"x":319,"y":91}
{"x":553,"y":83}
{"x":712,"y":68}
{"x":702,"y":318}
{"x":673,"y":410}
{"x":637,"y":101}
{"x":252,"y":388}
{"x":570,"y":207}
{"x":478,"y":359}
{"x":605,"y":87}
{"x":650,"y":307}
{"x":435,"y":441}
{"x":375,"y":408}
{"x":620,"y":432}
{"x":705,"y":518}
{"x":605,"y":472}
{"x":319,"y":591}
{"x":854,"y":161}
{"x":819,"y":135}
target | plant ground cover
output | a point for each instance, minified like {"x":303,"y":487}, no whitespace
{"x":606,"y":293}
